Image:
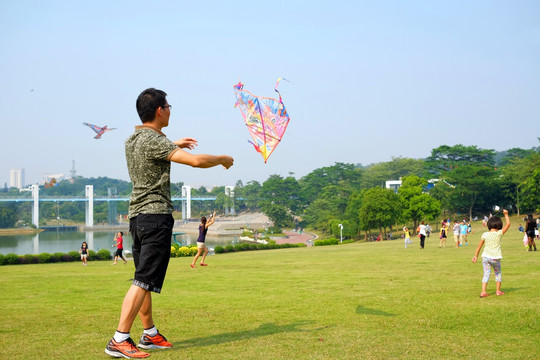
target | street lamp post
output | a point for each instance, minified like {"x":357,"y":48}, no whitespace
{"x":341,"y":232}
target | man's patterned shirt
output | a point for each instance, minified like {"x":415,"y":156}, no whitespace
{"x":148,"y":154}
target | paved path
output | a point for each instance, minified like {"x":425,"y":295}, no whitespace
{"x":295,"y":238}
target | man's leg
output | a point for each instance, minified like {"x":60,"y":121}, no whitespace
{"x":121,"y":345}
{"x":132,"y":305}
{"x":151,"y":338}
{"x":145,"y":312}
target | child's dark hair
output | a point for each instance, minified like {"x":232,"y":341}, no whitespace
{"x":121,"y":233}
{"x":494,"y":222}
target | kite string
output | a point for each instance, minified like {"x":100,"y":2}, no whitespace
{"x":325,"y":152}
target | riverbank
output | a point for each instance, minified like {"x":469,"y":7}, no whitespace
{"x":19,"y":231}
{"x":235,"y":225}
{"x":226,"y":225}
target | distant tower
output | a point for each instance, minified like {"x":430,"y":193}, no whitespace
{"x":73,"y":170}
{"x":16,"y":178}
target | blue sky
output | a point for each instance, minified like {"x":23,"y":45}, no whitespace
{"x":370,"y":80}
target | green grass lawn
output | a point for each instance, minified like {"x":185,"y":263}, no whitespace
{"x":354,"y":301}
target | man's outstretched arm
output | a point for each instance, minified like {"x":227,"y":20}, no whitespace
{"x":201,"y":160}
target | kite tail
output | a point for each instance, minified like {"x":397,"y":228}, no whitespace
{"x":261,"y":150}
{"x":276,"y":90}
{"x":258,"y":148}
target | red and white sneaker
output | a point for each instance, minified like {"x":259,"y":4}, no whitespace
{"x":125,"y":349}
{"x":154,"y":342}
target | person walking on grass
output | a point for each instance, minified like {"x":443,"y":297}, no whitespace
{"x":84,"y":253}
{"x":119,"y":243}
{"x":149,"y":155}
{"x":463,"y":230}
{"x":442,"y":235}
{"x":492,"y":255}
{"x":201,"y":246}
{"x":530,"y":226}
{"x":422,"y":233}
{"x":456,"y":233}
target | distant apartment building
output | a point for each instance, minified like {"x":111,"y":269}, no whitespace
{"x":393,"y":184}
{"x":16,"y":178}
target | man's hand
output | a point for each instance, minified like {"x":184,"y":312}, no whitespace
{"x":186,"y":143}
{"x":227,"y":161}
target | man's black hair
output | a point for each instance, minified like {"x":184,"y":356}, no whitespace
{"x":148,"y":102}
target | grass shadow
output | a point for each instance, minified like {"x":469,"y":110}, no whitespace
{"x":509,"y":290}
{"x":367,"y":311}
{"x":262,"y":330}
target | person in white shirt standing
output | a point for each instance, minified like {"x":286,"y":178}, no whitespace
{"x":422,"y":231}
{"x":455,"y":228}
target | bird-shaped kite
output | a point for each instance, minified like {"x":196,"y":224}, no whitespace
{"x":99,"y":130}
{"x":265,"y":118}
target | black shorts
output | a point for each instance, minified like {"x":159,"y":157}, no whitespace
{"x":118,"y":252}
{"x":151,"y":235}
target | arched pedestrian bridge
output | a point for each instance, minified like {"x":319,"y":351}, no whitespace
{"x":88,"y":197}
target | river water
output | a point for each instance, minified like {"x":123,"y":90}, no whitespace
{"x":66,"y":241}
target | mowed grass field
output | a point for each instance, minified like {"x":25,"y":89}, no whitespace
{"x":353,"y":301}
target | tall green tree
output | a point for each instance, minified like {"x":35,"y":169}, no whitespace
{"x":417,"y":205}
{"x":381,"y":208}
{"x":476,"y":189}
{"x":251,"y":194}
{"x":319,"y":214}
{"x":515,"y":175}
{"x":447,"y":157}
{"x":8,"y":215}
{"x":330,"y":204}
{"x":378,"y":174}
{"x":278,"y":214}
{"x":531,"y":192}
{"x":281,"y":191}
{"x":352,"y":212}
{"x":340,"y":173}
{"x":507,"y":157}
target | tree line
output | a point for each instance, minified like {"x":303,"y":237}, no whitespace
{"x":462,"y":181}
{"x":458,"y":180}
